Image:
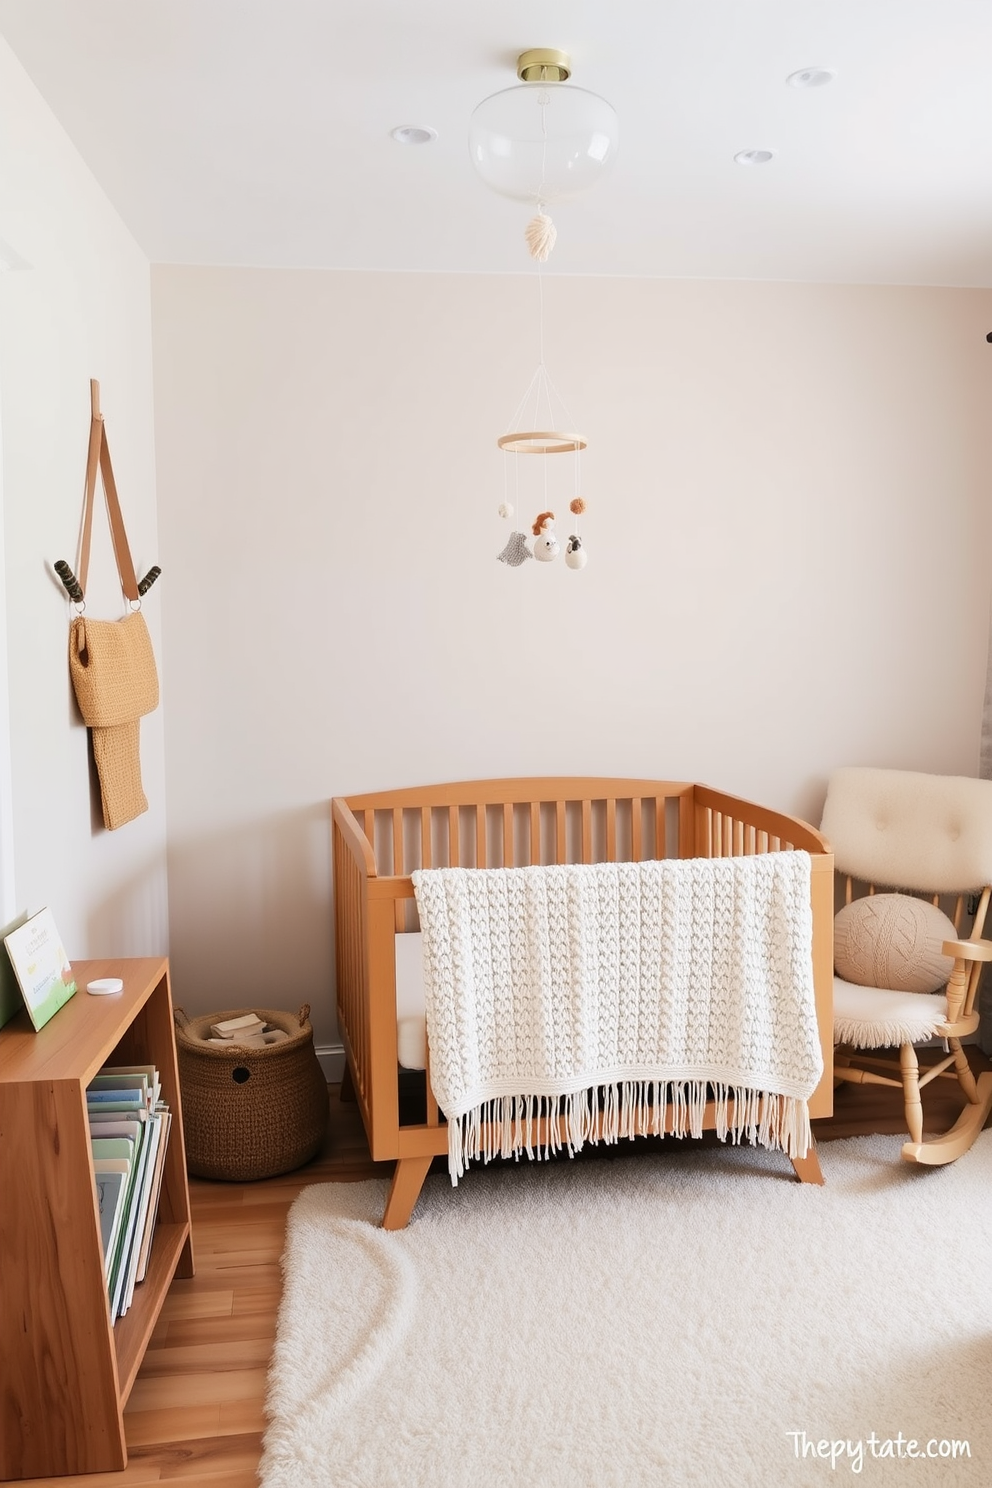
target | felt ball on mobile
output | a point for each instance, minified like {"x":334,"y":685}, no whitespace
{"x":505,"y":509}
{"x":577,"y":506}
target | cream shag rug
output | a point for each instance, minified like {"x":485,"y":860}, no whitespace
{"x":642,"y":1321}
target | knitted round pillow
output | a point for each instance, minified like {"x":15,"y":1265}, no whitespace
{"x":893,"y":941}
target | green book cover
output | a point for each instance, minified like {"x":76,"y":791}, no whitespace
{"x":41,"y":966}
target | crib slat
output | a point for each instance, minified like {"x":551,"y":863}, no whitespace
{"x":535,"y":834}
{"x":561,"y":846}
{"x":635,"y":830}
{"x":738,"y":839}
{"x":454,"y":853}
{"x":509,"y":860}
{"x":425,"y":837}
{"x":587,"y":831}
{"x":481,"y":852}
{"x":687,"y":814}
{"x":398,"y":863}
{"x":611,"y":830}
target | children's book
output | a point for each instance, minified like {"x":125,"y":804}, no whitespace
{"x":41,"y":966}
{"x":129,"y":1150}
{"x":142,"y":1198}
{"x":111,"y":1180}
{"x":165,"y":1116}
{"x":114,"y":1100}
{"x":154,"y":1082}
{"x":106,"y":1086}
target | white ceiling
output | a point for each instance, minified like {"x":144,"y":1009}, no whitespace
{"x":257,"y":131}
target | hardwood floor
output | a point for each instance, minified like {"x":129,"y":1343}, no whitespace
{"x":196,"y":1414}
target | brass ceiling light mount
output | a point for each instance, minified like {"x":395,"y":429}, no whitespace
{"x":544,"y":65}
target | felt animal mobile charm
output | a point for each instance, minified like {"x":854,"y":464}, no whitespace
{"x":546,"y":547}
{"x":516,"y":550}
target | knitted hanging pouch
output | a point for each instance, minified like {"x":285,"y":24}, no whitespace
{"x":111,"y":662}
{"x":115,"y":681}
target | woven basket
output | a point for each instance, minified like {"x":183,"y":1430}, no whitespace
{"x":250,"y":1113}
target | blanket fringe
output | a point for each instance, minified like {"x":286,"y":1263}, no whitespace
{"x":542,"y":1125}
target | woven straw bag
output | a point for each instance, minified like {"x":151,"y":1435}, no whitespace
{"x":113,"y":670}
{"x":250,"y":1113}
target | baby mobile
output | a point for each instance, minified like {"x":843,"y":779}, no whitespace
{"x":542,"y":142}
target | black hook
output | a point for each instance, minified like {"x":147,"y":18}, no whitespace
{"x":69,"y":580}
{"x":149,"y":579}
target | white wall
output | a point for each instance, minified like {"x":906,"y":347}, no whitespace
{"x":80,"y":311}
{"x":789,"y":570}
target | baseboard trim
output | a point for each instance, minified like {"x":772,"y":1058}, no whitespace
{"x":331,"y":1058}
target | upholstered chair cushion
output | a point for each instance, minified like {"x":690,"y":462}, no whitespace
{"x":893,"y":941}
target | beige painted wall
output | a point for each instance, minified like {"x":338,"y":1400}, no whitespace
{"x":80,"y":311}
{"x":789,"y":569}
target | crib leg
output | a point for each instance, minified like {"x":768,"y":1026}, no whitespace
{"x":808,"y":1167}
{"x":404,"y":1191}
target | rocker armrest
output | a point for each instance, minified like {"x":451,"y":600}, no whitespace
{"x":968,"y":950}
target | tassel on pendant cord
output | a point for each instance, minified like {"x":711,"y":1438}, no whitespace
{"x":541,"y":235}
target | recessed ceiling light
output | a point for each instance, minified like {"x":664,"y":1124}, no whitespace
{"x":810,"y":77}
{"x":754,"y":157}
{"x":414,"y":134}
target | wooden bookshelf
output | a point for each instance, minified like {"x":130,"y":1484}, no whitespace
{"x":67,"y":1370}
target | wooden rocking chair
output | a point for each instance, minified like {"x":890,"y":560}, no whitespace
{"x":925,"y":840}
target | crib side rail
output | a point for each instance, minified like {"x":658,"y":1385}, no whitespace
{"x":363,"y":959}
{"x":727,"y":826}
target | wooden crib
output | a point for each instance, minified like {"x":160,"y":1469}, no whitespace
{"x":381,"y":838}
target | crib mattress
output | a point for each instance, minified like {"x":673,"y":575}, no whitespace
{"x":411,"y":1015}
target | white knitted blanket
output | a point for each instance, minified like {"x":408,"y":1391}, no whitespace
{"x":597,"y":992}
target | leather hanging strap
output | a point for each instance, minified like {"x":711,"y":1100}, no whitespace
{"x":98,"y":455}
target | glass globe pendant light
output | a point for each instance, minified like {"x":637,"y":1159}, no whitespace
{"x":545,"y":140}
